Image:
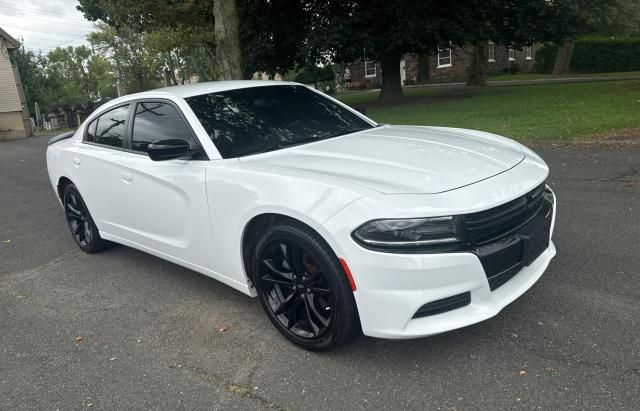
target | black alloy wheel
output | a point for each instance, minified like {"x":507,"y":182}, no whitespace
{"x":303,"y":288}
{"x":83,"y":229}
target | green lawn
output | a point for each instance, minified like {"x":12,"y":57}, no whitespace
{"x":541,"y":111}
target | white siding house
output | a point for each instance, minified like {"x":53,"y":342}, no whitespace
{"x":11,"y":117}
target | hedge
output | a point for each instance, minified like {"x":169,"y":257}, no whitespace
{"x":602,"y":55}
{"x":594,"y":55}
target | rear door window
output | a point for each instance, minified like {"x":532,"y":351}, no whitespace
{"x":110,"y":127}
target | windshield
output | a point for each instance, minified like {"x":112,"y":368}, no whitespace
{"x":266,"y":118}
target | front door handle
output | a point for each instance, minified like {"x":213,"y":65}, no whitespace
{"x":76,"y":161}
{"x":127,"y":176}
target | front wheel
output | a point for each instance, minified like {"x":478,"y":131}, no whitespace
{"x":303,"y":288}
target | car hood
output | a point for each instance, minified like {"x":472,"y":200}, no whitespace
{"x":402,"y":159}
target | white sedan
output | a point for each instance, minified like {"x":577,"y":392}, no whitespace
{"x":337,"y":224}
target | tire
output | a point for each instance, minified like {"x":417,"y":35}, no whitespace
{"x":83,"y":229}
{"x":303,"y":288}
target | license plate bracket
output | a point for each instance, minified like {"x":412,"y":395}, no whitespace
{"x":534,"y":244}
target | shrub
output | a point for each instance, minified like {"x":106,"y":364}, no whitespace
{"x":545,"y":58}
{"x":601,"y":55}
{"x":327,"y":86}
{"x":312,"y":74}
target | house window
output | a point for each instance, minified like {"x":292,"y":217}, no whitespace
{"x":512,"y":54}
{"x":491,"y":46}
{"x":369,"y":68}
{"x":444,"y":57}
{"x":527,"y":52}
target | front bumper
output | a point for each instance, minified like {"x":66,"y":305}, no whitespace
{"x":391,"y":288}
{"x":387,"y":305}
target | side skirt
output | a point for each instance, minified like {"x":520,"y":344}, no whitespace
{"x":243,"y":288}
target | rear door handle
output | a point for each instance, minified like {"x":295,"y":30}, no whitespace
{"x":76,"y":161}
{"x":127,"y":176}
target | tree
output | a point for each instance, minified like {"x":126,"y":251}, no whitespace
{"x":227,"y":40}
{"x":64,"y":76}
{"x":384,"y":31}
{"x":273,"y":34}
{"x":581,"y":17}
{"x":136,"y":68}
{"x":513,"y":22}
{"x":344,"y":31}
{"x":235,"y":37}
{"x":195,"y":20}
{"x":477,"y":75}
{"x":181,"y":52}
{"x":575,"y":19}
{"x":621,"y":19}
{"x":76,"y":74}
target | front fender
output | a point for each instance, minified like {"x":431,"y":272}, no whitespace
{"x":237,"y":194}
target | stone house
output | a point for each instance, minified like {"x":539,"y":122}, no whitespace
{"x":14,"y":119}
{"x":449,"y":65}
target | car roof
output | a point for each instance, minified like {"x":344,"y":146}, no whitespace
{"x":189,"y":90}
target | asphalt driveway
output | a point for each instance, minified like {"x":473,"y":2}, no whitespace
{"x":123,"y":329}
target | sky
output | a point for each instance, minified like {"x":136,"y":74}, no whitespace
{"x":44,"y":24}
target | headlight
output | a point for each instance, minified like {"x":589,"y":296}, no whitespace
{"x":410,"y":234}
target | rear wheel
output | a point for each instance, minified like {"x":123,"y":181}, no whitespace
{"x":83,"y":229}
{"x":303,"y":289}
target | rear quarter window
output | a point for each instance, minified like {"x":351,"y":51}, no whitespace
{"x":109,"y":128}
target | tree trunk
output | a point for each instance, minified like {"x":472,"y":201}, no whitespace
{"x":423,"y":69}
{"x":119,"y":86}
{"x":227,"y":39}
{"x":563,"y":59}
{"x":391,"y":87}
{"x":478,"y":67}
{"x":172,"y":70}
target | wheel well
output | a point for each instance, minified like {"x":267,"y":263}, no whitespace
{"x":254,"y":226}
{"x":62,"y":183}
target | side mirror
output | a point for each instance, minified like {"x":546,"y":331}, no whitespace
{"x":361,"y":110}
{"x":168,"y":149}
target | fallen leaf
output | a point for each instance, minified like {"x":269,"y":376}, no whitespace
{"x":223,"y":329}
{"x":79,"y":338}
{"x":113,"y":359}
{"x":7,"y":241}
{"x":238,"y":389}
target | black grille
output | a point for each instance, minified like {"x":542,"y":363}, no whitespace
{"x":511,"y":236}
{"x":488,"y":225}
{"x":443,"y":305}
